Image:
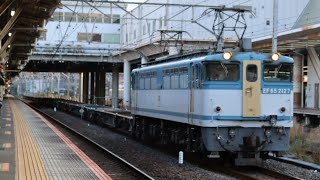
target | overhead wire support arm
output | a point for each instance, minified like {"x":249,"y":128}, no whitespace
{"x":220,"y":26}
{"x":125,"y":10}
{"x":147,"y":3}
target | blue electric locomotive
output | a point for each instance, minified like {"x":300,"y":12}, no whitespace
{"x":237,"y":103}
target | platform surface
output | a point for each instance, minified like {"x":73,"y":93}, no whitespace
{"x":32,"y":148}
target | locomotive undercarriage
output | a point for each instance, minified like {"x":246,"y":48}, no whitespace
{"x":244,"y":146}
{"x":183,"y":136}
{"x":247,"y":146}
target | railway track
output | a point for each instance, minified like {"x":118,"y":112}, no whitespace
{"x":295,"y":162}
{"x":118,"y":167}
{"x":256,"y":173}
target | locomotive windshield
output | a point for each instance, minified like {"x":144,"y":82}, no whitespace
{"x":218,"y":71}
{"x":280,"y":73}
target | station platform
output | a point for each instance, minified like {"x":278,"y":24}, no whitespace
{"x":32,"y":148}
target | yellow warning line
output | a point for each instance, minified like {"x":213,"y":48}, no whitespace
{"x":29,"y":164}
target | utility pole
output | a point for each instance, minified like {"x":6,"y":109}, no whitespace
{"x":275,"y":26}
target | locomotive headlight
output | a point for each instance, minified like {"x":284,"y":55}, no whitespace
{"x":275,"y":56}
{"x":227,"y":55}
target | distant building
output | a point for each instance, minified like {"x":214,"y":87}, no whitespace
{"x":77,"y":27}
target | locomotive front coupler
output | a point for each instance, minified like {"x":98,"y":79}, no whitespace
{"x":273,"y":120}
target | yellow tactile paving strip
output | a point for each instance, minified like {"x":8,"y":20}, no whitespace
{"x":29,"y":164}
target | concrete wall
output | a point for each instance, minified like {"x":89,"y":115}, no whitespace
{"x":297,"y":80}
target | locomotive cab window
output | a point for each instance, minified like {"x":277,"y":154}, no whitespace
{"x":219,"y":71}
{"x":252,"y":73}
{"x":280,"y":73}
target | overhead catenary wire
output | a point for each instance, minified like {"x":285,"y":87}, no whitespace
{"x":77,"y":25}
{"x":256,"y":25}
{"x":185,"y":21}
{"x":64,"y":36}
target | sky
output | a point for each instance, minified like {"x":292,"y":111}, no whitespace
{"x":132,"y":6}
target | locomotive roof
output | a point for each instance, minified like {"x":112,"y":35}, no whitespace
{"x":238,"y":56}
{"x":250,"y":56}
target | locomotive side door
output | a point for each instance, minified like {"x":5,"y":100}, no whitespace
{"x":251,"y":90}
{"x":136,"y":88}
{"x":191,"y":97}
{"x":194,"y":84}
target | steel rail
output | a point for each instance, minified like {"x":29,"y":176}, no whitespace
{"x":256,"y":173}
{"x":295,"y":162}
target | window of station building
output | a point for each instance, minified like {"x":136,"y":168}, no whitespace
{"x":111,"y":38}
{"x":144,"y":30}
{"x":89,"y":37}
{"x":165,"y":23}
{"x":278,"y":73}
{"x":96,"y":18}
{"x":57,"y":16}
{"x":96,"y":37}
{"x":154,"y":23}
{"x":160,"y":22}
{"x":83,"y":17}
{"x":43,"y":36}
{"x":218,"y":71}
{"x":148,"y":28}
{"x":83,"y":37}
{"x":69,"y":17}
{"x":107,"y":18}
{"x":116,"y":19}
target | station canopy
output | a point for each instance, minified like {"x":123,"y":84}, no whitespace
{"x":21,"y":23}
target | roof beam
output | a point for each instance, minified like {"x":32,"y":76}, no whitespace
{"x":23,"y":45}
{"x":11,"y":22}
{"x":7,"y":43}
{"x":5,"y":6}
{"x":314,"y":59}
{"x":29,"y":29}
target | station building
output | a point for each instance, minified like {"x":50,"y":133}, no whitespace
{"x":260,"y":21}
{"x":77,"y":29}
{"x":80,"y":27}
